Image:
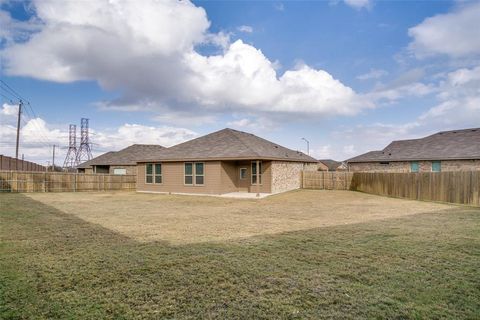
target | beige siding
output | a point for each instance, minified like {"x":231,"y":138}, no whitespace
{"x":424,"y":166}
{"x":229,"y":177}
{"x":173,"y":179}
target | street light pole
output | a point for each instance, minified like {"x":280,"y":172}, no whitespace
{"x":308,"y":145}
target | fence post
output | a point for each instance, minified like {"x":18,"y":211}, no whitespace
{"x":44,"y":182}
{"x":75,"y":182}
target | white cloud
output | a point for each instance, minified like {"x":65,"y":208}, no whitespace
{"x":373,"y":74}
{"x":358,"y":4}
{"x":323,"y":152}
{"x":244,"y":28}
{"x":279,"y":7}
{"x":455,"y":34}
{"x":37,"y":137}
{"x":148,"y":51}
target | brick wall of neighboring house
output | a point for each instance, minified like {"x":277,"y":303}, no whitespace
{"x":461,"y":165}
{"x":287,"y":175}
{"x":424,"y":166}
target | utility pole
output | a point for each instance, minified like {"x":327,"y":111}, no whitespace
{"x":308,"y":145}
{"x":53,"y":159}
{"x":18,"y":129}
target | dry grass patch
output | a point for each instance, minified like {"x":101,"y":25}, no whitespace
{"x":181,"y":219}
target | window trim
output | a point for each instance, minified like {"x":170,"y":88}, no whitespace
{"x":246,"y":173}
{"x":261,"y":173}
{"x":411,"y":166}
{"x":149,"y":175}
{"x":120,"y":174}
{"x":439,"y":165}
{"x":190,"y":175}
{"x":194,"y":174}
{"x":155,"y":173}
{"x":199,"y":175}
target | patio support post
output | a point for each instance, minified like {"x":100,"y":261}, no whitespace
{"x":258,"y":177}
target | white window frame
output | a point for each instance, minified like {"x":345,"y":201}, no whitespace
{"x":194,"y":174}
{"x":123,"y":170}
{"x":246,"y":173}
{"x":199,"y":175}
{"x":261,"y":173}
{"x":149,"y":175}
{"x":155,"y":173}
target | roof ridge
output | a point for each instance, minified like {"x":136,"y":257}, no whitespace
{"x":241,"y":141}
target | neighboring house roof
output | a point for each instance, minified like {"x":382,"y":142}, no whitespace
{"x":228,"y":144}
{"x":445,"y":145}
{"x":126,"y":157}
{"x":332,"y":165}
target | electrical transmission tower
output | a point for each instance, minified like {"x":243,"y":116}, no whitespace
{"x":84,"y":152}
{"x":71,"y":158}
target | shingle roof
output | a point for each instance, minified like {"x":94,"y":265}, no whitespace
{"x":228,"y":144}
{"x":445,"y":145}
{"x":331,"y":164}
{"x":127,"y":156}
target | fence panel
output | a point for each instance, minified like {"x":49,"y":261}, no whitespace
{"x":20,"y":181}
{"x":456,"y":186}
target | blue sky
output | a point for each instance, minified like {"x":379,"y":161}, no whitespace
{"x":350,"y":76}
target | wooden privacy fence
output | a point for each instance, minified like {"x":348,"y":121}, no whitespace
{"x":14,"y":181}
{"x":9,"y":163}
{"x":456,"y":187}
{"x":327,"y":180}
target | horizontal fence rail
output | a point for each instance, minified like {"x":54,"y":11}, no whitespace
{"x":461,"y":187}
{"x":14,"y":181}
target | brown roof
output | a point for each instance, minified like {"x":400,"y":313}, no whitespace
{"x":332,"y":165}
{"x":127,"y":156}
{"x":445,"y":145}
{"x":228,"y":144}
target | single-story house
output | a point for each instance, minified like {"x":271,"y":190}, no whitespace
{"x":223,"y":162}
{"x":331,"y":165}
{"x":454,"y":150}
{"x":119,"y":162}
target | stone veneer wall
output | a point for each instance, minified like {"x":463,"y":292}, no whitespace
{"x":287,"y":175}
{"x":424,"y":166}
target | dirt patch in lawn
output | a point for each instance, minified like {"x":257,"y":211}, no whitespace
{"x":181,"y":219}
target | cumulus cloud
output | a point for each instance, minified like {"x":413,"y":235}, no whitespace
{"x":454,"y":34}
{"x":373,"y":74}
{"x":148,"y":50}
{"x":358,"y":4}
{"x":37,"y":137}
{"x":244,"y":28}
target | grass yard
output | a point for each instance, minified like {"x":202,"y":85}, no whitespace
{"x":304,"y":254}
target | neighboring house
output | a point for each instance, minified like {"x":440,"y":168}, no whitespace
{"x":119,"y":162}
{"x":222,"y":162}
{"x":454,"y":150}
{"x":331,"y":165}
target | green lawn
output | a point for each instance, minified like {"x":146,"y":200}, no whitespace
{"x":56,"y":265}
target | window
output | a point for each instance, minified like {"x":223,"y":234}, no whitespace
{"x":188,"y":173}
{"x":436,"y":166}
{"x":414,"y":166}
{"x":149,"y":173}
{"x":254,"y":172}
{"x":153,"y":173}
{"x":158,"y":173}
{"x":199,"y":175}
{"x":194,"y":173}
{"x":120,"y":171}
{"x":243,"y":173}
